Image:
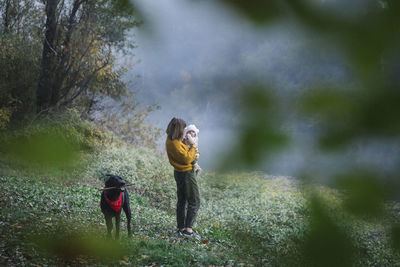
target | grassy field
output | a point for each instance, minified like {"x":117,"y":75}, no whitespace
{"x":52,"y":217}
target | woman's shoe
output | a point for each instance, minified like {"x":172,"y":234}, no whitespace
{"x":187,"y":234}
{"x":191,"y":234}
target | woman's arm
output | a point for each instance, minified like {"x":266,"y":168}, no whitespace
{"x":180,"y":153}
{"x":184,"y":155}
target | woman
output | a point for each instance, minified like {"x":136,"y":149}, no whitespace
{"x":181,"y":158}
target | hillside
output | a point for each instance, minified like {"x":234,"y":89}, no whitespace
{"x":245,"y":218}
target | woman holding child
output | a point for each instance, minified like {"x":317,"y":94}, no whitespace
{"x":182,"y":153}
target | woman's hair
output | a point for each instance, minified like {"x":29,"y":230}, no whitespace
{"x":176,"y":128}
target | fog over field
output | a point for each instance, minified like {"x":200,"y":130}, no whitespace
{"x":196,"y":56}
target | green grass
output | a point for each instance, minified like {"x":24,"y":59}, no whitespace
{"x":53,"y":218}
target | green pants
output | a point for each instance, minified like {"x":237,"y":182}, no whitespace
{"x":188,"y":194}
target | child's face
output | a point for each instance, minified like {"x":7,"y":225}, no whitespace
{"x":192,"y":133}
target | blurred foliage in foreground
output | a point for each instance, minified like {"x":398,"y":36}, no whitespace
{"x":363,"y":113}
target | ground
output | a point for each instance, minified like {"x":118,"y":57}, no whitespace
{"x":53,"y":217}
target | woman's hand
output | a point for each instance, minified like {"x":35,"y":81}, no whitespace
{"x":197,"y":155}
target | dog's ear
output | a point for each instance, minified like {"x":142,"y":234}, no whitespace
{"x":110,"y":180}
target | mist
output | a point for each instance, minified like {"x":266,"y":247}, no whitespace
{"x":196,"y":57}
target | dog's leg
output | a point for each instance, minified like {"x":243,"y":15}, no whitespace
{"x":109,"y":225}
{"x":127,"y":210}
{"x":117,"y":225}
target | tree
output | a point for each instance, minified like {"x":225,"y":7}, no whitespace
{"x":45,"y":89}
{"x":78,"y":46}
{"x":19,"y":58}
{"x":62,"y":53}
{"x":58,"y":54}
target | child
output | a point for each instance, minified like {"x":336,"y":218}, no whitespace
{"x":191,"y":138}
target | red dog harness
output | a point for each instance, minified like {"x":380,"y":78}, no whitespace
{"x":115,"y":205}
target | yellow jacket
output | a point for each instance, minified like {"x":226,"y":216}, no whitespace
{"x":179,"y":155}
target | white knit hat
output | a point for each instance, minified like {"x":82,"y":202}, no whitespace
{"x":191,"y":127}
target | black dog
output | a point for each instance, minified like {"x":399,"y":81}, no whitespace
{"x":112,"y":201}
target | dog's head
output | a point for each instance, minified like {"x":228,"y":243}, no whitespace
{"x":114,"y":181}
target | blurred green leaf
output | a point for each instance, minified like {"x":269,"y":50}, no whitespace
{"x":364,"y":192}
{"x":345,"y":116}
{"x":336,"y":139}
{"x":257,"y":141}
{"x":327,"y":102}
{"x":258,"y":11}
{"x":395,"y":236}
{"x":335,"y":112}
{"x":380,"y":112}
{"x":46,"y":147}
{"x":327,"y":243}
{"x":259,"y":130}
{"x":70,"y":242}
